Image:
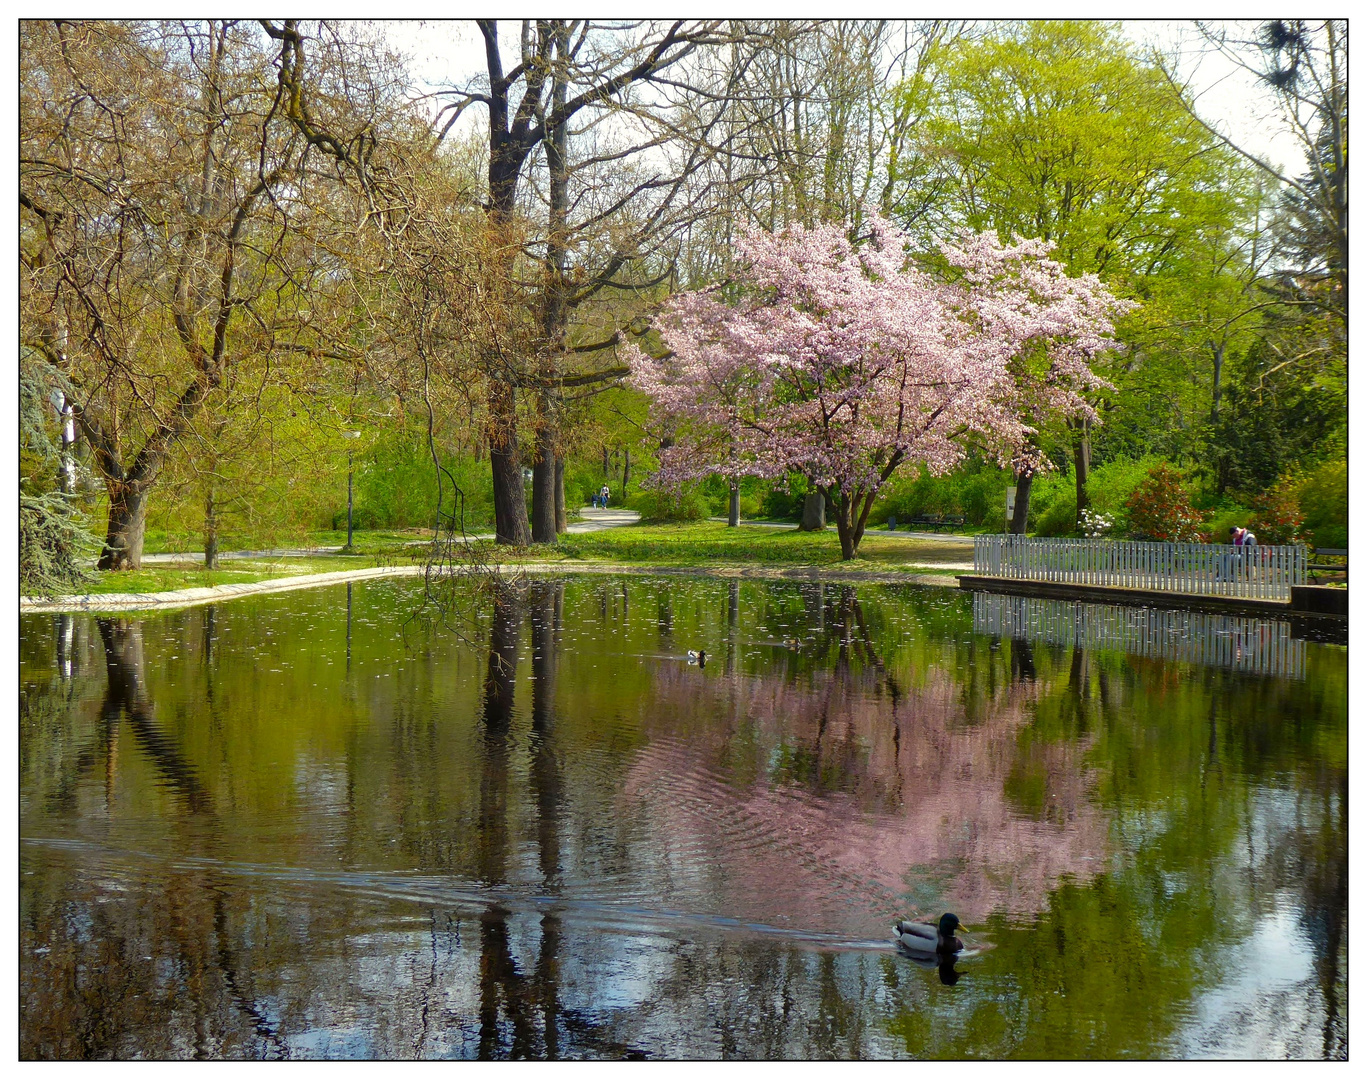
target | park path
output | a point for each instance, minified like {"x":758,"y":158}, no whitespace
{"x":594,"y":520}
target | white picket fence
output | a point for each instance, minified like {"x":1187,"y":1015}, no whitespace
{"x":1235,"y":642}
{"x":1264,"y":573}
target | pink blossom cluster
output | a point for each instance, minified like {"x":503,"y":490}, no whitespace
{"x":842,"y":363}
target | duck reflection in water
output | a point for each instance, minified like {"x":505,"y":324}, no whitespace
{"x":944,"y":965}
{"x":928,"y":945}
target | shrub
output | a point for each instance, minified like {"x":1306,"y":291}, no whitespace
{"x":1110,"y":485}
{"x":1217,"y":525}
{"x":52,"y":545}
{"x":1059,"y":517}
{"x":1096,"y":525}
{"x":975,"y":491}
{"x":660,"y":506}
{"x":1160,"y":508}
{"x":1277,"y":517}
{"x":1323,"y":497}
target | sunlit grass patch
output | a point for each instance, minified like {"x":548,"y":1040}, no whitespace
{"x":169,"y":577}
{"x":708,"y":543}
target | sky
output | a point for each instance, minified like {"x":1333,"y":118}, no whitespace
{"x":446,"y":52}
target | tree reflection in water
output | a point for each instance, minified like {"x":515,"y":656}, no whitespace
{"x":235,"y":844}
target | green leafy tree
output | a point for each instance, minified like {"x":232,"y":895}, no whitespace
{"x":1060,"y":130}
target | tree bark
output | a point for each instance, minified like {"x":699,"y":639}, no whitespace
{"x":1082,"y":466}
{"x":813,"y":512}
{"x":1218,"y":363}
{"x":844,"y":526}
{"x":210,"y":529}
{"x":1023,"y":482}
{"x":733,"y":514}
{"x":543,"y":488}
{"x":626,"y":470}
{"x":560,"y":522}
{"x":553,"y":310}
{"x":510,"y":500}
{"x":127,"y":522}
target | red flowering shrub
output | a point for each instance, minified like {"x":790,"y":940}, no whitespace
{"x":1160,"y":509}
{"x":1277,"y":517}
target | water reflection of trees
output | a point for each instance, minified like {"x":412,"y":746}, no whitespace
{"x":847,"y":763}
{"x":771,"y":786}
{"x":100,"y":992}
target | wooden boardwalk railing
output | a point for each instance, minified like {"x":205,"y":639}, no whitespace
{"x":1265,"y":572}
{"x":1238,"y":643}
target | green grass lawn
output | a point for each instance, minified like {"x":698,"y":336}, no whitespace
{"x":158,"y":541}
{"x":155,"y":578}
{"x":709,"y":543}
{"x":703,"y":544}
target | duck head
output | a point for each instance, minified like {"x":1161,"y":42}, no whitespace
{"x":947,"y":942}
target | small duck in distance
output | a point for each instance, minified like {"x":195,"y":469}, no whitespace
{"x":925,"y":938}
{"x":699,"y":657}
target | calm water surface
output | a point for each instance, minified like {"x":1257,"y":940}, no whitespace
{"x":307,"y":825}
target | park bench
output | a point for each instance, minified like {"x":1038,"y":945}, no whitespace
{"x":932,"y":522}
{"x":1318,"y":567}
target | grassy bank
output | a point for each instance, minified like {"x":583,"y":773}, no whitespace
{"x":708,"y":543}
{"x":704,"y":545}
{"x":167,"y":577}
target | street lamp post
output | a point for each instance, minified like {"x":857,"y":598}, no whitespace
{"x":349,"y":471}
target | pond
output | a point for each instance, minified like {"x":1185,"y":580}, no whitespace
{"x":313,"y":825}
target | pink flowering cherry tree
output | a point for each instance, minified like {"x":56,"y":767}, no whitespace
{"x":845,"y":363}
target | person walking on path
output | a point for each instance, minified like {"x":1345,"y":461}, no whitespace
{"x":603,"y":494}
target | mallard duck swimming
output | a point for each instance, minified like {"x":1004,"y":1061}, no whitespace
{"x":699,"y":657}
{"x":925,"y":938}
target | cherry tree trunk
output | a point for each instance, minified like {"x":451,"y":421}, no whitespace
{"x":849,"y":529}
{"x":127,"y":522}
{"x":733,"y":514}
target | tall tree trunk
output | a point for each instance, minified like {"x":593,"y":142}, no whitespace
{"x":127,"y":522}
{"x":1023,"y":482}
{"x":626,"y":470}
{"x":543,"y":487}
{"x":1082,"y":465}
{"x":510,"y":500}
{"x":560,"y":522}
{"x":813,"y":512}
{"x":1218,"y":364}
{"x":733,"y":514}
{"x":606,"y":466}
{"x":554,"y":312}
{"x":210,"y":528}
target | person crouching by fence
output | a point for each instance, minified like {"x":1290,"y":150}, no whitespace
{"x":1244,"y":544}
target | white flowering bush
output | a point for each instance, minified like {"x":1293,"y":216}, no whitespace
{"x":1094,"y":525}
